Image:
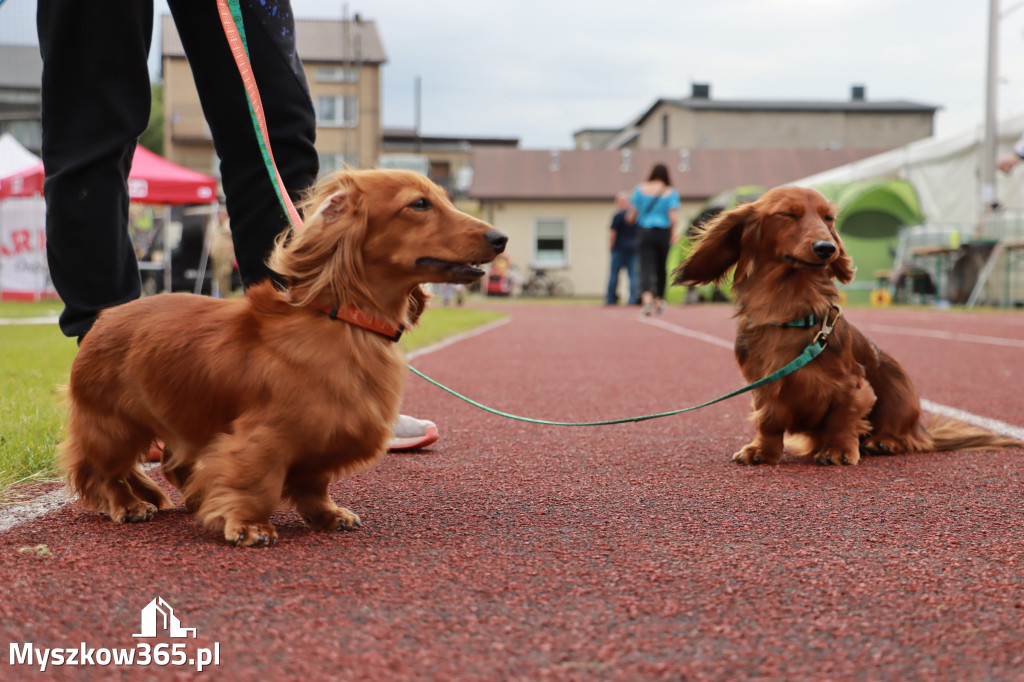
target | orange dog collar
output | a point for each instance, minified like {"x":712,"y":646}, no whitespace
{"x":357,"y":317}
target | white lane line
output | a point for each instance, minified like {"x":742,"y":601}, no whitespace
{"x":18,"y":513}
{"x":683,"y":331}
{"x":994,"y":425}
{"x":14,"y":321}
{"x":942,"y":334}
{"x":452,"y":340}
{"x":14,"y":514}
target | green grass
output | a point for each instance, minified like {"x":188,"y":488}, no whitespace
{"x":36,"y":360}
{"x":439,"y":323}
{"x":38,"y":309}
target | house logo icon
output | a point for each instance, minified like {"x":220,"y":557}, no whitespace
{"x":158,"y":617}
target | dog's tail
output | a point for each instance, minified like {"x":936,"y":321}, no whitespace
{"x":947,"y":433}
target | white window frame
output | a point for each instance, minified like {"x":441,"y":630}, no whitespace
{"x":536,"y":261}
{"x":336,"y":74}
{"x":336,"y":162}
{"x":343,"y":104}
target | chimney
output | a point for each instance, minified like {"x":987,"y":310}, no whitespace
{"x":700,"y":91}
{"x":858,"y":93}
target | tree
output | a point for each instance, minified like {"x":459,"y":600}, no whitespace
{"x":153,"y":138}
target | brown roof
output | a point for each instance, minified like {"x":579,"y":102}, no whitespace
{"x":316,"y":40}
{"x":599,"y":174}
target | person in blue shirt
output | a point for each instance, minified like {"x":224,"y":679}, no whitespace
{"x":655,"y":206}
{"x":623,"y":252}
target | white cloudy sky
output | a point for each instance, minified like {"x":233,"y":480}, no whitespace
{"x":541,"y":69}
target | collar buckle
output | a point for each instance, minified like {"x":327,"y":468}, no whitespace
{"x":821,"y":337}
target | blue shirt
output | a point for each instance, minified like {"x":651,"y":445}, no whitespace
{"x":653,"y":211}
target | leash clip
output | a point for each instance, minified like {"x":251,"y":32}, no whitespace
{"x":826,"y":327}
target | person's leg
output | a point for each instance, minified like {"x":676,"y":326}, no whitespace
{"x":662,"y":248}
{"x":95,"y":104}
{"x":631,"y":272}
{"x":647,"y":255}
{"x":611,"y":295}
{"x":256,"y":214}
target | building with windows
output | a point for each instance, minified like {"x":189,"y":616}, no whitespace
{"x":701,"y":122}
{"x":342,"y":61}
{"x":556,"y":206}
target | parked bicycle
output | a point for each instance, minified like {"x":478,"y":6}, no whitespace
{"x":543,"y":283}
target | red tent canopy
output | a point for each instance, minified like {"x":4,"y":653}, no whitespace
{"x":153,"y":180}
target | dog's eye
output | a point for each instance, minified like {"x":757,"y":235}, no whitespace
{"x":830,"y":219}
{"x":793,"y":216}
{"x":421,"y":204}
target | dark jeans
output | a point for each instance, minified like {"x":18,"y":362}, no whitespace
{"x":96,"y":103}
{"x":622,"y":259}
{"x":653,"y":247}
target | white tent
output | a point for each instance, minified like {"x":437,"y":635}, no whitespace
{"x":14,"y":157}
{"x":23,"y":271}
{"x":944,"y":171}
{"x":946,"y":174}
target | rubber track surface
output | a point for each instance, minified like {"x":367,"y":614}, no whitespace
{"x":511,"y":551}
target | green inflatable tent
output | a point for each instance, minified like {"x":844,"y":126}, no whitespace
{"x":871,"y":214}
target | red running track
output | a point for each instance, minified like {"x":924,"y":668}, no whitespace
{"x":512,"y":551}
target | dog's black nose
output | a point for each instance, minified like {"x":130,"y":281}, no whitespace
{"x":823,"y":248}
{"x":497,"y":240}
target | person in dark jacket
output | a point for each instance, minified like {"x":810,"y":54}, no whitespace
{"x":623,"y":253}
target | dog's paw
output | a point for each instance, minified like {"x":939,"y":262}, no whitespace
{"x":836,"y":456}
{"x":338,"y":518}
{"x":244,"y":534}
{"x":880,"y":445}
{"x":136,"y":512}
{"x":754,"y":454}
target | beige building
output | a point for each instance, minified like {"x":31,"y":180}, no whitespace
{"x":21,"y":72}
{"x":342,"y":61}
{"x":701,"y":122}
{"x":556,"y":206}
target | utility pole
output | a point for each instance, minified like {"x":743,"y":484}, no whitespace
{"x":989,"y":199}
{"x":417,"y":104}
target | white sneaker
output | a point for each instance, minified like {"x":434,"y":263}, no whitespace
{"x":409,"y":433}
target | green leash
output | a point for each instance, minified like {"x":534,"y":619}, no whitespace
{"x":812,"y":351}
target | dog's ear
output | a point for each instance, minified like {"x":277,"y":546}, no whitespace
{"x":417,"y":304}
{"x":322,"y":261}
{"x":720,"y":246}
{"x":330,"y":209}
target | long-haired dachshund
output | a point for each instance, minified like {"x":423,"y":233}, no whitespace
{"x":853,"y":398}
{"x":269,"y":397}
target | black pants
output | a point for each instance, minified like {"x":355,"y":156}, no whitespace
{"x":652,"y":248}
{"x":96,"y":103}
